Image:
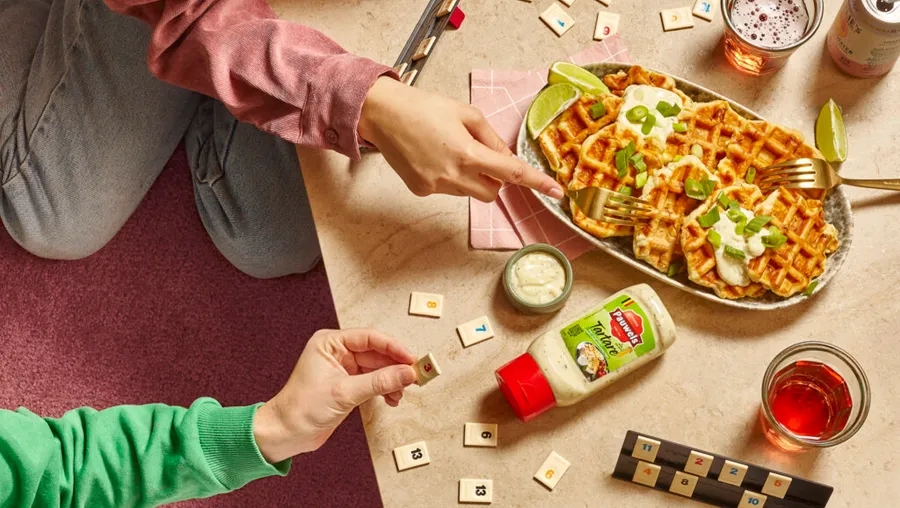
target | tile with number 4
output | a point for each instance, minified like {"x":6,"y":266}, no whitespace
{"x":557,"y":19}
{"x":480,"y":434}
{"x":645,"y":449}
{"x":676,"y":19}
{"x":426,"y":369}
{"x":683,"y":484}
{"x":607,"y":25}
{"x":475,"y":331}
{"x":752,"y":500}
{"x":646,"y":474}
{"x":698,"y":464}
{"x":777,"y":485}
{"x":733,"y":473}
{"x":552,"y":470}
{"x":411,"y":455}
{"x":425,"y":304}
{"x":705,"y":9}
{"x":476,"y":491}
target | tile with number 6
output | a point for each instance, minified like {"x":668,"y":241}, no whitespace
{"x":607,"y":25}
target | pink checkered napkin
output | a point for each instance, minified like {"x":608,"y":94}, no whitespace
{"x":517,"y":218}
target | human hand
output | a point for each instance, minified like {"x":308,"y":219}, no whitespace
{"x":337,"y":371}
{"x":438,"y":145}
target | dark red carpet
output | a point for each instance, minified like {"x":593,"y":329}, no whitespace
{"x":160,"y":316}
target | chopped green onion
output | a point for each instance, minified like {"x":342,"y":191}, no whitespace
{"x":809,"y":289}
{"x":736,"y":215}
{"x":733,"y":205}
{"x":698,"y":190}
{"x":640,"y":180}
{"x":735,"y":253}
{"x":774,"y":239}
{"x":649,"y":122}
{"x":641,"y":166}
{"x":697,"y":151}
{"x":751,"y":175}
{"x":637,"y":114}
{"x":636,"y":158}
{"x":708,"y":219}
{"x":598,"y":111}
{"x":756,"y":225}
{"x":625,"y":190}
{"x":708,"y":185}
{"x":622,"y":162}
{"x":674,"y":268}
{"x":679,"y":127}
{"x":723,"y":200}
{"x":677,"y":158}
{"x":714,"y":238}
{"x":667,"y":109}
{"x":630,"y":149}
{"x":740,"y":226}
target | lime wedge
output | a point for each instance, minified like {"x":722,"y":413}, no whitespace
{"x":565,"y":72}
{"x":549,"y":104}
{"x":831,"y":137}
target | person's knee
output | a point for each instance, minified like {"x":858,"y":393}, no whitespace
{"x":266,"y":257}
{"x":56,"y":240}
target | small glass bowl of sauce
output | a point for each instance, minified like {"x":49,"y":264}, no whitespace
{"x":538,"y":279}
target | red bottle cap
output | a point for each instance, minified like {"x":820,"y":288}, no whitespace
{"x":525,"y":387}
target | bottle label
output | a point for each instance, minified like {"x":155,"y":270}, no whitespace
{"x":609,"y":338}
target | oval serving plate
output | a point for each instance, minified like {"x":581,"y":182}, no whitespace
{"x":837,"y":212}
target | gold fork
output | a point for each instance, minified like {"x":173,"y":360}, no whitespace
{"x":604,"y":205}
{"x":814,"y":174}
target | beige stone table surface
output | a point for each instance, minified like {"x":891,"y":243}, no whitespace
{"x":380,"y":242}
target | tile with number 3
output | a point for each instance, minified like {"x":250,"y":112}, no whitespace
{"x":426,"y":369}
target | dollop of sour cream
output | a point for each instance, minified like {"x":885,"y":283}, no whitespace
{"x":537,"y":278}
{"x":649,"y":96}
{"x":734,"y":270}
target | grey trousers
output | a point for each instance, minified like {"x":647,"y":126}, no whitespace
{"x":85,"y":130}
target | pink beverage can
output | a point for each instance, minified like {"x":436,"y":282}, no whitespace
{"x":864,"y":40}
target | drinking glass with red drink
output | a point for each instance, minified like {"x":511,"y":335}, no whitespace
{"x":814,"y":395}
{"x":760,"y":35}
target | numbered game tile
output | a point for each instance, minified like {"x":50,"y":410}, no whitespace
{"x":733,"y":473}
{"x":425,"y":304}
{"x":568,"y":2}
{"x":557,"y":19}
{"x":426,"y":369}
{"x":752,"y":500}
{"x":446,"y":8}
{"x":424,"y":48}
{"x":411,"y":455}
{"x":676,"y":19}
{"x":475,"y":331}
{"x":646,"y":474}
{"x":476,"y":491}
{"x":607,"y":25}
{"x":705,"y":9}
{"x":645,"y":449}
{"x":408,"y":78}
{"x":776,"y":485}
{"x":683,"y":484}
{"x":605,"y":2}
{"x":552,"y":470}
{"x":400,"y":69}
{"x":480,"y":434}
{"x":698,"y":464}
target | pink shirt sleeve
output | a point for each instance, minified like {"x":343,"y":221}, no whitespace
{"x":284,"y":78}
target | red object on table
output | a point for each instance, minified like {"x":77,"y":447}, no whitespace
{"x":456,"y":18}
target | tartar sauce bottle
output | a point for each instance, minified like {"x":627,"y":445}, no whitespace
{"x":564,"y":366}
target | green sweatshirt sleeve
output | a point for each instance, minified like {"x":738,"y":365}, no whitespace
{"x":128,"y":455}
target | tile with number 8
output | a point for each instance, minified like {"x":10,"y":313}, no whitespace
{"x":698,"y":464}
{"x":704,"y":9}
{"x":476,"y":491}
{"x":552,"y":470}
{"x":480,"y":434}
{"x":426,"y":369}
{"x":645,"y":449}
{"x":411,"y":455}
{"x":752,"y":500}
{"x":646,"y":474}
{"x":777,"y":485}
{"x":676,"y":19}
{"x":733,"y":473}
{"x":683,"y":484}
{"x":425,"y":304}
{"x":475,"y":331}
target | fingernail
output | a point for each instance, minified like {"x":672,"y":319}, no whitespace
{"x":555,"y":193}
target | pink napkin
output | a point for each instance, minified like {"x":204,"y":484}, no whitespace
{"x":517,"y":218}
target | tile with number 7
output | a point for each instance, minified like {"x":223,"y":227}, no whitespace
{"x":475,"y":331}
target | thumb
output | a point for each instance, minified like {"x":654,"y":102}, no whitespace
{"x":363,"y":387}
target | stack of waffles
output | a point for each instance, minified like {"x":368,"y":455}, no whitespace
{"x":715,"y":144}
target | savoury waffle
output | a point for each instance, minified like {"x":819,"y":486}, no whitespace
{"x":561,"y":140}
{"x":790,"y":268}
{"x":711,"y":126}
{"x":699,"y":254}
{"x":658,"y":242}
{"x":637,"y":75}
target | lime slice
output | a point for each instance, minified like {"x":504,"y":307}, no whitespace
{"x":565,"y":72}
{"x":549,"y":104}
{"x":831,"y":137}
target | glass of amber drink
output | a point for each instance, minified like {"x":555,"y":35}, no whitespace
{"x":760,"y":35}
{"x":814,"y":395}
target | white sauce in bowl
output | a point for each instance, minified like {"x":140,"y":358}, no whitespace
{"x":537,"y":278}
